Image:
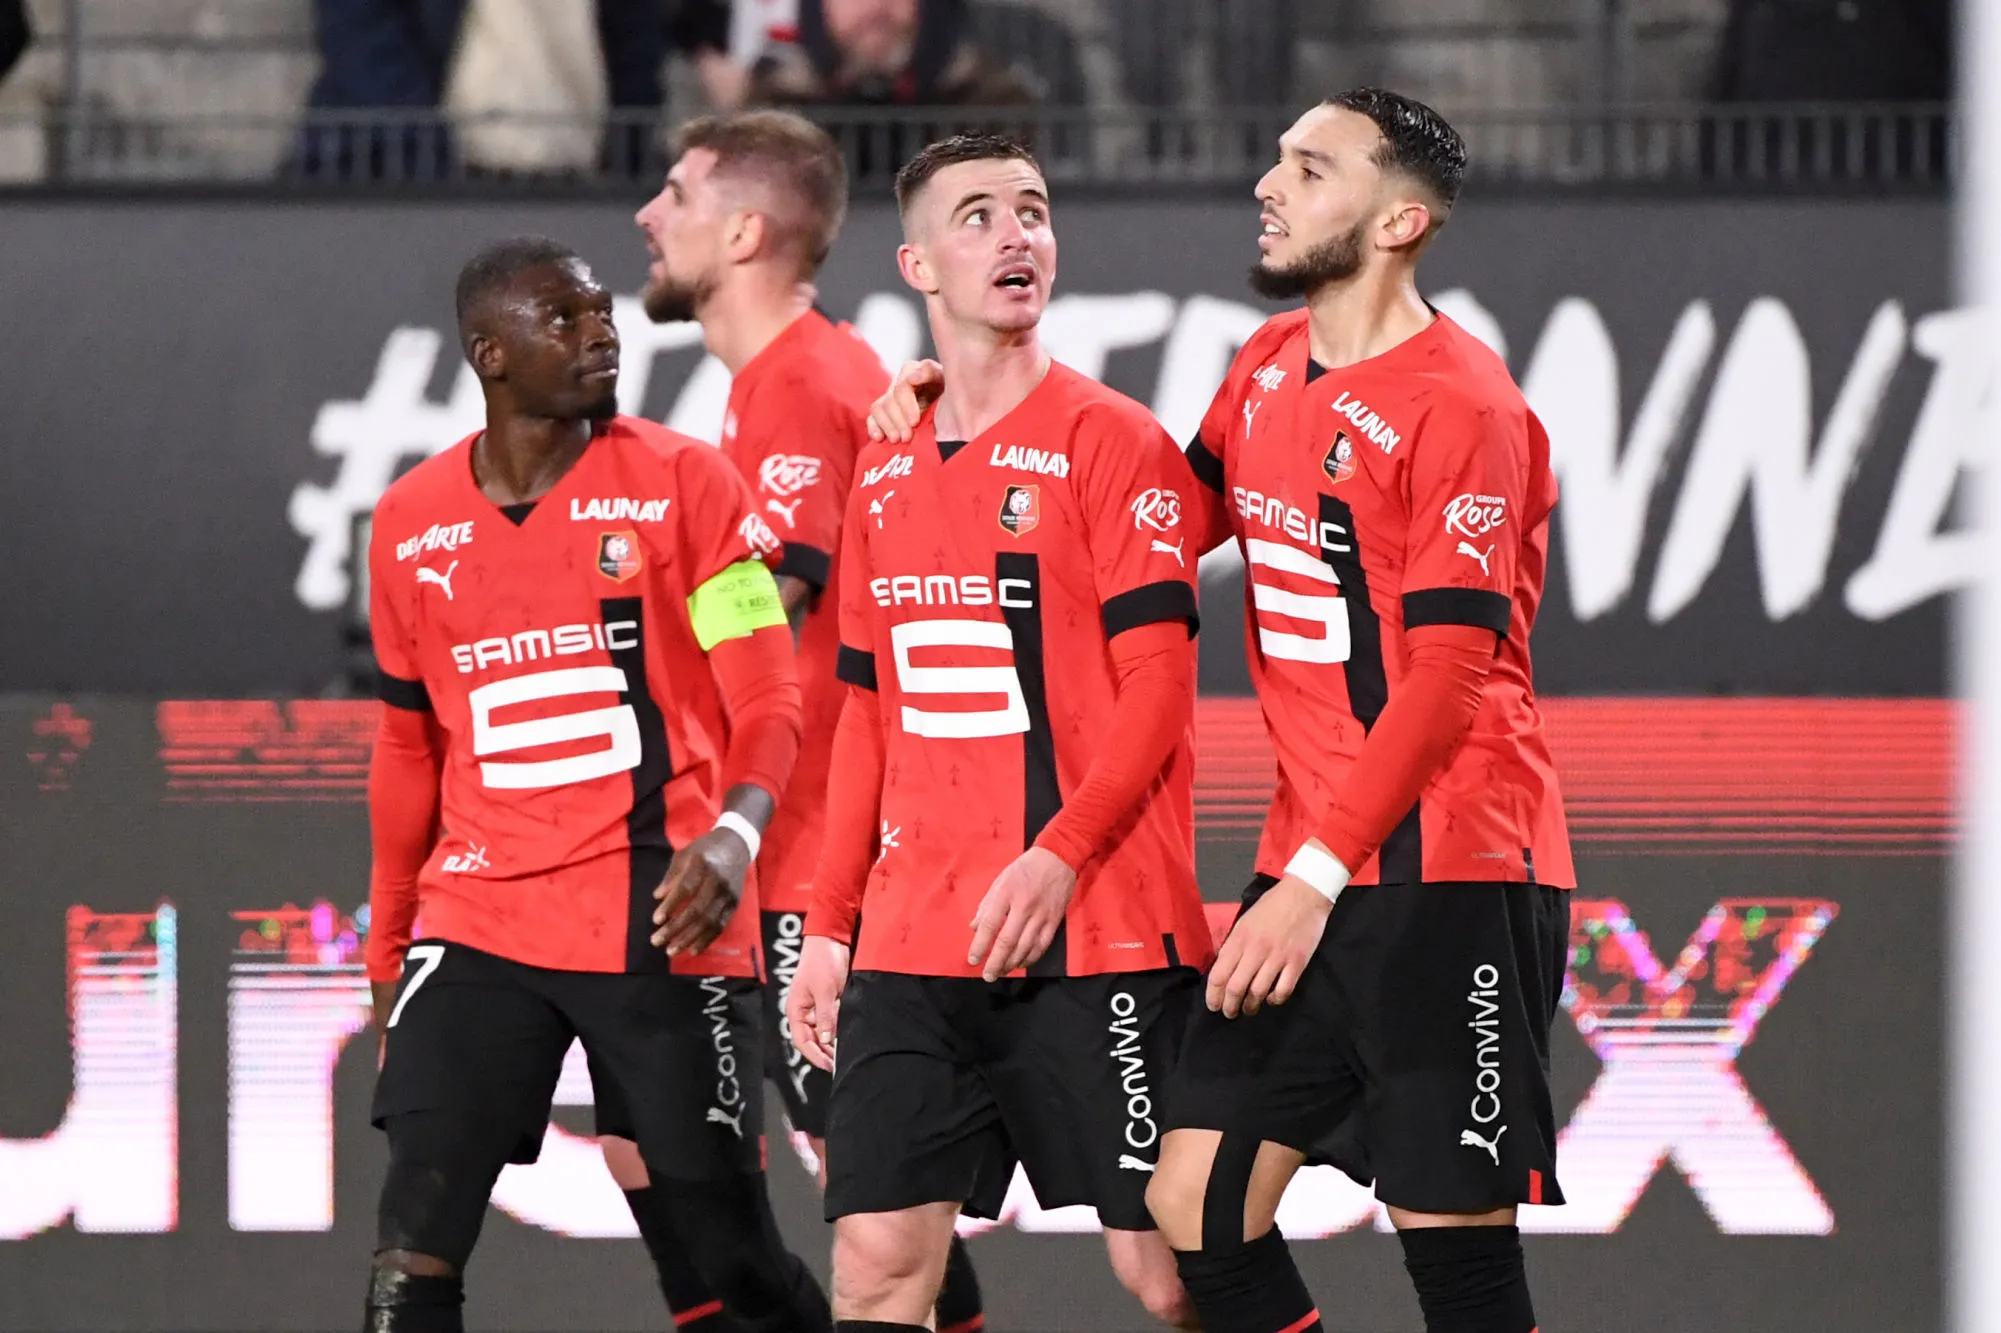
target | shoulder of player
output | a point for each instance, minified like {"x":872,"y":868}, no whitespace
{"x":1268,"y":339}
{"x":429,"y":482}
{"x":1472,"y":402}
{"x":1099,"y":412}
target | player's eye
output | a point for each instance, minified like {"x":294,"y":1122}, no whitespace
{"x":1031,"y":214}
{"x":977,"y":218}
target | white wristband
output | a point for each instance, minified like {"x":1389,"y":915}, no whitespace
{"x":743,"y":828}
{"x":1322,"y":873}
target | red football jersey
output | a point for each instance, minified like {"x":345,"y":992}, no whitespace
{"x":1410,"y":489}
{"x":798,"y":415}
{"x":584,"y":729}
{"x":979,"y":591}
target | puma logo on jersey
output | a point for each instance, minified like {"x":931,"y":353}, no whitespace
{"x":1128,"y":1162}
{"x":718,"y":1116}
{"x":1368,"y":422}
{"x":886,"y":840}
{"x":1467,"y":548}
{"x":611,"y":510}
{"x":473,"y":858}
{"x":900,"y":466}
{"x":1250,"y":414}
{"x":438,"y":537}
{"x":443,"y":580}
{"x":788,"y":512}
{"x":1045,"y":461}
{"x":1468,"y":1139}
{"x":875,"y":505}
{"x":1174,"y":550}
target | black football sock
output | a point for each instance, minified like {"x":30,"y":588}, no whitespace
{"x":960,"y":1309}
{"x":689,"y":1299}
{"x":1249,"y":1288}
{"x":1469,"y":1279}
{"x":400,"y":1302}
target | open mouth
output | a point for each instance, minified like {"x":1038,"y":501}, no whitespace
{"x":1016,"y":277}
{"x":604,"y":370}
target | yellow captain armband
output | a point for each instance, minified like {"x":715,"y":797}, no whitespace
{"x":735,"y":604}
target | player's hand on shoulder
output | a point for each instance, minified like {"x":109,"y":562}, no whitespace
{"x":700,"y":893}
{"x":894,"y":416}
{"x":1019,"y":917}
{"x":813,"y":1005}
{"x":1268,"y":949}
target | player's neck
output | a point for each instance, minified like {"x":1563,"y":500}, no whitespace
{"x":1364,"y":316}
{"x":747,"y":313}
{"x":520,"y":459}
{"x":987,"y":375}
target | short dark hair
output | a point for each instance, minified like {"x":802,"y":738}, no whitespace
{"x":935,"y":157}
{"x":1417,"y":141}
{"x":790,"y":153}
{"x":499,"y":263}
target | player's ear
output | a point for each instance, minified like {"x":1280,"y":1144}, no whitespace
{"x":744,"y":235}
{"x":488,"y":361}
{"x":916,"y":270}
{"x":1407,"y":224}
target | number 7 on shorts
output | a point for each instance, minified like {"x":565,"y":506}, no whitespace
{"x":427,"y":957}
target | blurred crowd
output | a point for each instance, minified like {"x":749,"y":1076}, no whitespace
{"x":566,"y":86}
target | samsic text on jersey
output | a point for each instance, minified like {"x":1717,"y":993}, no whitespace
{"x":584,"y":730}
{"x":980,"y":585}
{"x":798,"y":416}
{"x":1410,"y":489}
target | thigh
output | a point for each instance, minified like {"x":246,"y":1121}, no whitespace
{"x":676,"y":1058}
{"x":1289,"y":1073}
{"x":802,"y":1087}
{"x":473,"y":1035}
{"x":910,"y":1121}
{"x":1451,"y":986}
{"x":1079,"y":1079}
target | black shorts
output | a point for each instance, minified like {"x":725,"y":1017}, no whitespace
{"x":1414,"y":1053}
{"x":943,"y":1084}
{"x":802,"y":1087}
{"x":673,"y":1059}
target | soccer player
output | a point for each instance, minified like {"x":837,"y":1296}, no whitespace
{"x":1010,"y":819}
{"x":571,"y":610}
{"x":738,"y":233}
{"x":1384,"y":999}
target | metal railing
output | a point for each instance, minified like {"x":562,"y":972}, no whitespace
{"x":145,"y":93}
{"x":1721,"y":148}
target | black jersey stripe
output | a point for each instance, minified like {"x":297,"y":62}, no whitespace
{"x":808,"y":564}
{"x":412,"y":696}
{"x":1401,"y":859}
{"x":1041,"y":796}
{"x":1477,"y":607}
{"x":1151,"y":604}
{"x":648,"y":850}
{"x":1204,"y":463}
{"x":852,"y":666}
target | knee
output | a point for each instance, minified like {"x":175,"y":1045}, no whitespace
{"x":621,"y":1158}
{"x":874,"y":1264}
{"x":1174,"y":1197}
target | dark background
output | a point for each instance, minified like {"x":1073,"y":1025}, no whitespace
{"x":161,"y":402}
{"x":1846,"y":1066}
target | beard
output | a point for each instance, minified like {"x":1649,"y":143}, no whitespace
{"x":1331,"y":261}
{"x":674,"y":300}
{"x":604,"y":409}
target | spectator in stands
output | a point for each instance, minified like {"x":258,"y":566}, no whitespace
{"x":884,"y":52}
{"x":14,"y":33}
{"x":378,"y":55}
{"x":1836,"y":51}
{"x":1250,"y":47}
